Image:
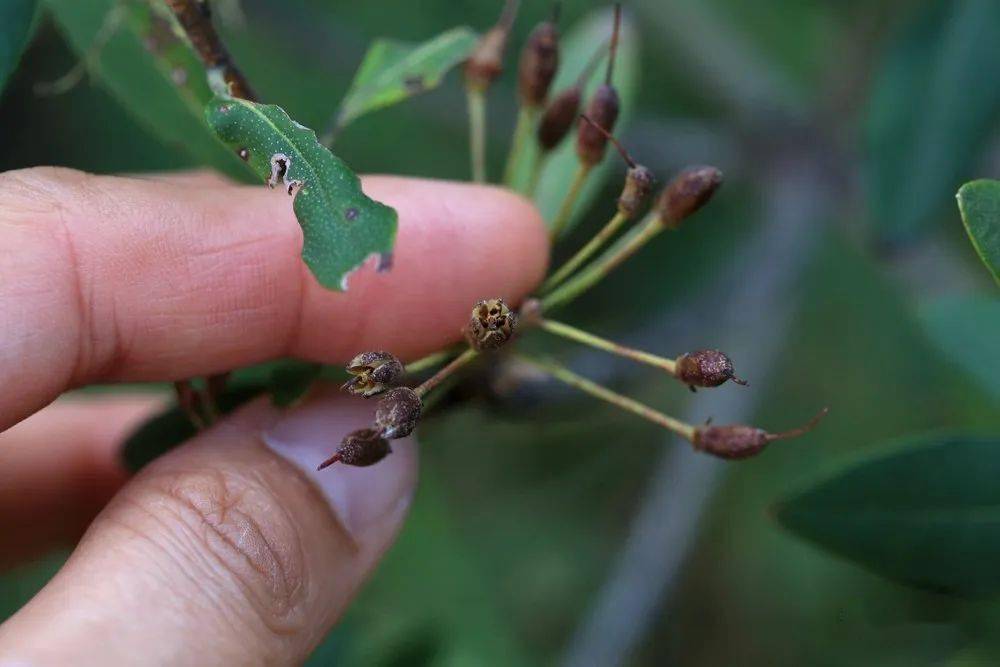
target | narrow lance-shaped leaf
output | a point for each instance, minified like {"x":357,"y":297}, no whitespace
{"x":341,"y":226}
{"x":922,"y":512}
{"x":17,"y":22}
{"x":394,"y":71}
{"x":979,"y":203}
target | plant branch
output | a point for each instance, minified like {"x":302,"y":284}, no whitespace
{"x":580,"y":336}
{"x":439,"y":377}
{"x":430,"y":361}
{"x":195,"y":18}
{"x":586,"y":252}
{"x":477,"y":133}
{"x":606,"y":263}
{"x":569,"y":201}
{"x":567,"y":376}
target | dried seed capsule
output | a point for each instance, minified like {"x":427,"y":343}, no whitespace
{"x":486,"y":62}
{"x":603,"y":109}
{"x":363,"y":447}
{"x":738,"y":441}
{"x":373,"y":372}
{"x":398,"y":412}
{"x":539,"y":62}
{"x":491,"y":325}
{"x":639,"y":182}
{"x":688,"y":192}
{"x":558,"y":118}
{"x":705,"y":368}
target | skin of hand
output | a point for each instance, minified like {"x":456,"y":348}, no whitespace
{"x":231,"y":549}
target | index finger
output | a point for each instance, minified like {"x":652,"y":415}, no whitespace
{"x":110,"y":278}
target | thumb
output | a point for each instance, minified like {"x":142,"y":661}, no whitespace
{"x":230,"y":550}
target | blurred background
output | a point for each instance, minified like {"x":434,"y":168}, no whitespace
{"x":550,"y":529}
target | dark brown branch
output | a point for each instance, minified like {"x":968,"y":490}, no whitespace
{"x":195,"y":17}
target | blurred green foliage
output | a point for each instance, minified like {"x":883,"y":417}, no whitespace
{"x":513,"y":533}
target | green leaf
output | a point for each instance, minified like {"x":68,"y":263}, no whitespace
{"x":967,"y":332}
{"x":923,"y":512}
{"x":394,"y":71}
{"x":979,"y":203}
{"x":17,"y":22}
{"x":341,"y":226}
{"x":933,"y":109}
{"x":171,"y":428}
{"x":578,"y":47}
{"x":135,"y":54}
{"x":291,"y":379}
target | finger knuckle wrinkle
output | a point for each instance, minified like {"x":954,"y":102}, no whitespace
{"x":237,"y":529}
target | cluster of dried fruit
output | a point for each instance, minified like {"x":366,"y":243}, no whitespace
{"x":492,"y":323}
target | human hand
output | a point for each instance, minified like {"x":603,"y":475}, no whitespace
{"x":231,"y":549}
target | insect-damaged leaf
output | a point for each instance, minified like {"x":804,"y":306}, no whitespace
{"x":979,"y":202}
{"x":394,"y":71}
{"x":341,"y":226}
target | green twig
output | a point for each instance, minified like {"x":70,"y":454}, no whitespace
{"x":567,"y":376}
{"x":523,"y":133}
{"x":569,"y":201}
{"x":430,"y":361}
{"x":606,"y":263}
{"x":580,"y":336}
{"x":586,"y":251}
{"x":477,"y":133}
{"x":441,"y":375}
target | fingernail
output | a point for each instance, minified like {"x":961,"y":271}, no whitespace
{"x":361,"y":498}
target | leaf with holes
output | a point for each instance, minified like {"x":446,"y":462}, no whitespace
{"x":923,"y":512}
{"x":979,"y":203}
{"x":394,"y":71}
{"x":341,"y":226}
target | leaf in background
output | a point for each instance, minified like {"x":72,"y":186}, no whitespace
{"x":967,"y":332}
{"x":17,"y":22}
{"x":394,"y":71}
{"x":341,"y":226}
{"x":578,"y":47}
{"x":922,"y":512}
{"x":149,"y":69}
{"x":933,"y":108}
{"x":979,"y":203}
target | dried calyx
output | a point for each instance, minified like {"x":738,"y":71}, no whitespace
{"x":363,"y":447}
{"x":705,"y":368}
{"x":539,"y":62}
{"x":486,"y":62}
{"x":738,"y":441}
{"x":639,"y":180}
{"x":373,"y":372}
{"x":603,"y":109}
{"x":491,"y":325}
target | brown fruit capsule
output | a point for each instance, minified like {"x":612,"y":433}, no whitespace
{"x":398,"y":412}
{"x":491,"y":325}
{"x":373,"y":372}
{"x":688,"y":192}
{"x":738,"y":441}
{"x":558,"y":118}
{"x":539,"y":62}
{"x":603,"y":110}
{"x":705,"y":368}
{"x":486,"y":62}
{"x":363,"y":447}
